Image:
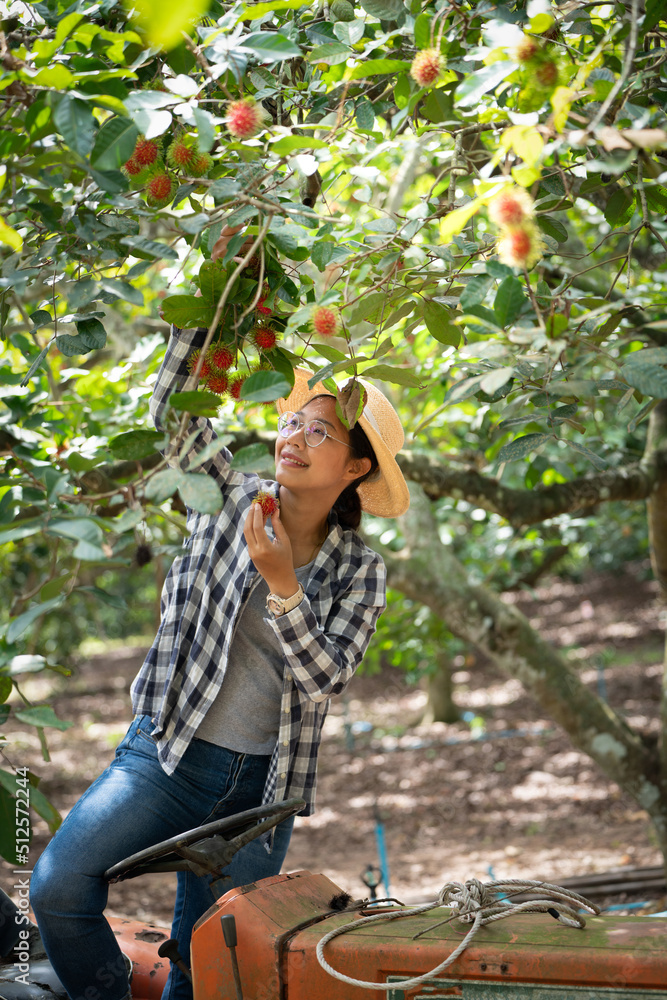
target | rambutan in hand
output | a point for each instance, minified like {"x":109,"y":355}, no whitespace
{"x":272,"y":556}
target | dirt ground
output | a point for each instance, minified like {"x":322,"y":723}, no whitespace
{"x":503,"y":795}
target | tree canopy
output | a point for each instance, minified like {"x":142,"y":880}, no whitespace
{"x":465,"y":201}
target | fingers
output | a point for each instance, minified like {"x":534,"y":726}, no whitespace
{"x":220,"y":246}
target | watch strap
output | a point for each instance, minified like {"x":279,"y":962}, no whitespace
{"x":281,"y":605}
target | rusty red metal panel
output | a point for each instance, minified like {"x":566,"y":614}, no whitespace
{"x":280,"y":921}
{"x":141,"y":941}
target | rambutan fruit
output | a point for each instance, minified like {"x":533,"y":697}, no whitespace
{"x":220,"y":357}
{"x":511,"y":207}
{"x":217,"y":382}
{"x":325,"y":321}
{"x":264,"y":337}
{"x":132,"y":168}
{"x":146,"y":151}
{"x":160,"y":189}
{"x":192,"y":361}
{"x":427,"y":67}
{"x":546,"y":74}
{"x":267,"y":501}
{"x":527,"y":49}
{"x":201,"y":165}
{"x":245,"y":118}
{"x":182,"y":154}
{"x":236,"y":384}
{"x":520,"y":246}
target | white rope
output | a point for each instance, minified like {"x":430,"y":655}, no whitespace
{"x":476,"y":903}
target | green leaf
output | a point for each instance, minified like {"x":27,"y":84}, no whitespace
{"x":553,"y":227}
{"x":522,"y":446}
{"x":76,"y":123}
{"x":496,"y":379}
{"x":475,"y":291}
{"x":194,"y":223}
{"x":186,"y":311}
{"x":365,"y":114}
{"x":6,"y":688}
{"x":44,"y":808}
{"x":25,"y":664}
{"x":164,"y":21}
{"x":475,"y":85}
{"x":137,"y":444}
{"x":252,"y":458}
{"x":367,"y":306}
{"x":162,"y":484}
{"x":331,"y":53}
{"x":22,"y":623}
{"x":200,"y":404}
{"x":25,"y":529}
{"x":91,"y":333}
{"x":423,"y":31}
{"x":122,"y":290}
{"x":149,"y":249}
{"x":291,"y":142}
{"x":387,"y":10}
{"x":438,"y":323}
{"x":76,"y":528}
{"x":200,"y":492}
{"x":648,"y":378}
{"x":114,"y":144}
{"x":271,"y":47}
{"x":321,"y":254}
{"x":595,"y":460}
{"x":378,"y":67}
{"x":252,"y":12}
{"x":265,"y":387}
{"x":620,"y":207}
{"x":42,"y":716}
{"x":209,"y":451}
{"x":399,"y":376}
{"x":509,"y":301}
{"x":8,"y":825}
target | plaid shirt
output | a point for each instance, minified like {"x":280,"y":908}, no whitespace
{"x":323,"y":639}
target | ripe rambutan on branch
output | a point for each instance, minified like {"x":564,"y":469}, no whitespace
{"x":427,"y":67}
{"x":220,"y":357}
{"x":511,"y":207}
{"x":217,"y":382}
{"x":245,"y":118}
{"x":520,"y":246}
{"x":264,"y":337}
{"x":325,"y":321}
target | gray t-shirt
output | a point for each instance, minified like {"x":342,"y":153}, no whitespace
{"x":245,"y":715}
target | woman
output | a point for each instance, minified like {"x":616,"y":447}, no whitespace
{"x":262,"y":622}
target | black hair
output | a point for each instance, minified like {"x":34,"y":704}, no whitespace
{"x":348,"y":504}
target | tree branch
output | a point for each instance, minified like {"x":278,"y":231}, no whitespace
{"x":521,"y":507}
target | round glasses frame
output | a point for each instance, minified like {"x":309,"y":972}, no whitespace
{"x":314,"y":431}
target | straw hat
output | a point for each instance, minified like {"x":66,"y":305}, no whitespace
{"x":385,"y":494}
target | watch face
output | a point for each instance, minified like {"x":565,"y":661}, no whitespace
{"x":275,"y":605}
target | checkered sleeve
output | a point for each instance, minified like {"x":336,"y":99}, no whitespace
{"x":174,"y":376}
{"x":323,"y":659}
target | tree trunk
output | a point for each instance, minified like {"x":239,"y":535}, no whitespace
{"x":441,"y":706}
{"x":427,"y":571}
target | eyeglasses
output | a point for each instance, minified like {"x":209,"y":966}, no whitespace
{"x":314,"y":431}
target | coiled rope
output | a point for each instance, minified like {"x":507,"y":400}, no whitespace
{"x":475,"y":903}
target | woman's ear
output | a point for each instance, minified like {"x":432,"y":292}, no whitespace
{"x":359,"y":467}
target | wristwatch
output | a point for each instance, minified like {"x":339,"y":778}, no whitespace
{"x":280,"y":605}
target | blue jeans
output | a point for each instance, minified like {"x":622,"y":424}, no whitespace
{"x":131,"y":806}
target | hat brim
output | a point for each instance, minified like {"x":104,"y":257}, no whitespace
{"x":386,"y":495}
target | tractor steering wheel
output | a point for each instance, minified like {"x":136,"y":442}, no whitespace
{"x":209,"y":848}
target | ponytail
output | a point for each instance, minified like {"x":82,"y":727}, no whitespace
{"x":348,"y":505}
